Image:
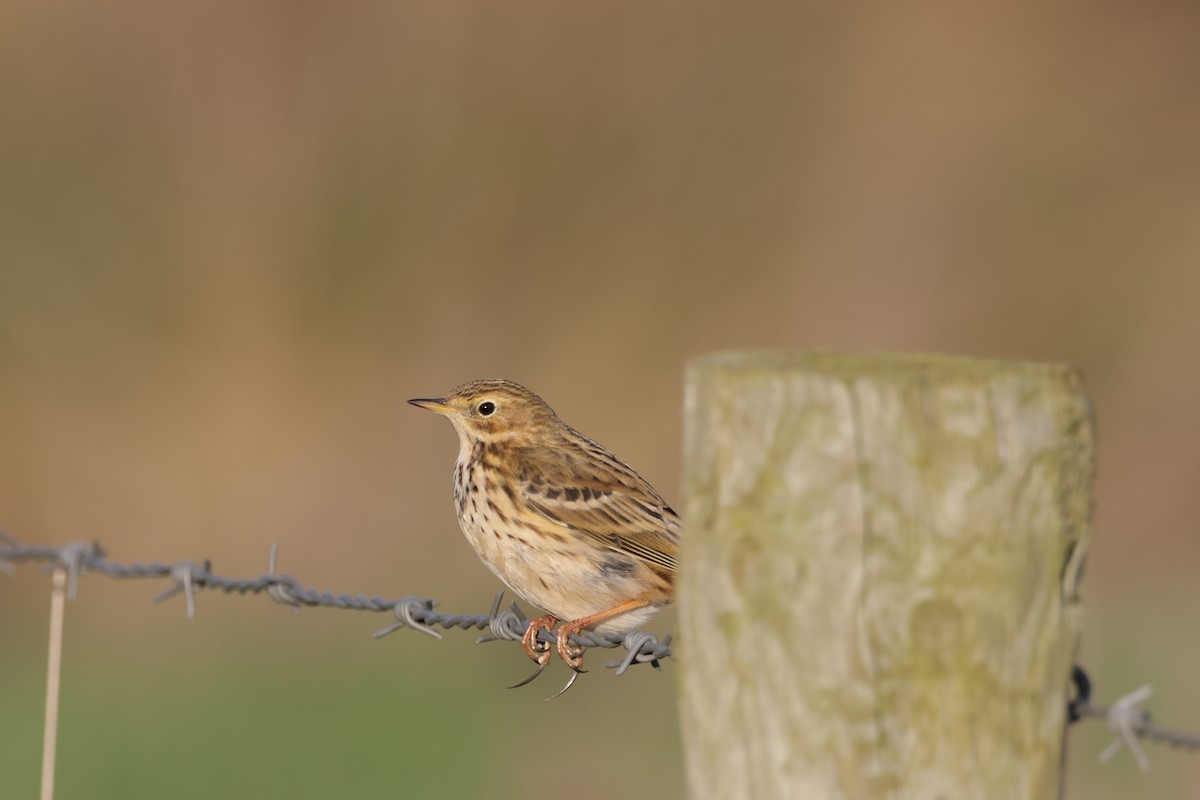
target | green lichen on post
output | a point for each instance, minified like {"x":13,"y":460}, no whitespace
{"x":879,"y":585}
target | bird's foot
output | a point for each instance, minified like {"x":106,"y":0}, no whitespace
{"x":536,"y":649}
{"x":572,"y":655}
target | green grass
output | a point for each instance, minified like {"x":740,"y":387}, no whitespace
{"x":199,"y":714}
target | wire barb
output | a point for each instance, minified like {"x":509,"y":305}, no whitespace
{"x":283,"y":589}
{"x":188,"y":577}
{"x":642,"y":647}
{"x":74,"y":557}
{"x":406,"y":610}
{"x":504,"y":626}
{"x":1129,"y":721}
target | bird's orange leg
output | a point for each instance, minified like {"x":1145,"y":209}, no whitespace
{"x":537,"y":650}
{"x":573,"y":655}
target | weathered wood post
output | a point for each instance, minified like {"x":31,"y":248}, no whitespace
{"x":879,"y":595}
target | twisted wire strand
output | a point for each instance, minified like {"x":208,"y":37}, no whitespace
{"x":188,"y":578}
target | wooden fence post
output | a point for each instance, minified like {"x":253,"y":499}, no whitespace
{"x":879,"y":592}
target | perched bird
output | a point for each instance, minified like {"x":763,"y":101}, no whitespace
{"x":563,"y":522}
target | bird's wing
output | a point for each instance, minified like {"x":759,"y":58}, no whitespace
{"x":602,"y":498}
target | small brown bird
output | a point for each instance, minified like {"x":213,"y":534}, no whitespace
{"x":564,"y":523}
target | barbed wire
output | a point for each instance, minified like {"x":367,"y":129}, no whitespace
{"x":1125,"y":717}
{"x":79,"y":558}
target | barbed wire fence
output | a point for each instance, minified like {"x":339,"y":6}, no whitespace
{"x":189,"y":578}
{"x":70,"y":561}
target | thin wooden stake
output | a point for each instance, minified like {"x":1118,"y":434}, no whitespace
{"x":53,"y":676}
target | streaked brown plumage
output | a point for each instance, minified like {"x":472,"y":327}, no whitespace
{"x":562,"y":521}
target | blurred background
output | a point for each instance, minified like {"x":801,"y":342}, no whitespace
{"x":235,"y":237}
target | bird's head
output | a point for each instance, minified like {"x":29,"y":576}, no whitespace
{"x":494,"y":411}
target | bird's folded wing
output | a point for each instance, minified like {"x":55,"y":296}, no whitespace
{"x":620,"y":511}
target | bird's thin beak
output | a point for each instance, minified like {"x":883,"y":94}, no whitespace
{"x":437,"y":405}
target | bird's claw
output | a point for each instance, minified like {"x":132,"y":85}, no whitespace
{"x":563,"y":690}
{"x":536,"y":672}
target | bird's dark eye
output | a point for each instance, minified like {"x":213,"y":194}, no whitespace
{"x":486,"y":408}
